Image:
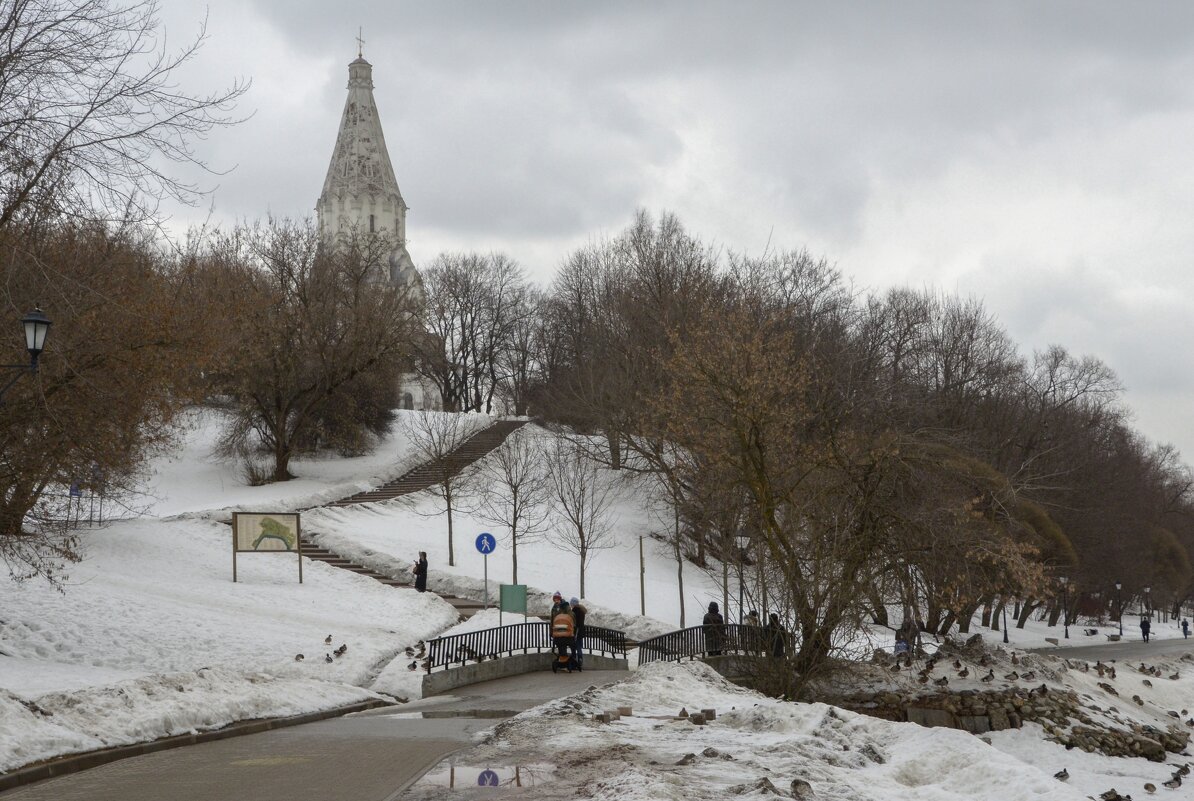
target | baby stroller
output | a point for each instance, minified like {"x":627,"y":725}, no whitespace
{"x":563,"y":659}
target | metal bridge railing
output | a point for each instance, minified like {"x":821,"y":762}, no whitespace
{"x":479,"y":646}
{"x":712,"y":640}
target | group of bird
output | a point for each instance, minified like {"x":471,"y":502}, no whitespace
{"x":1174,"y":782}
{"x":329,"y":658}
{"x":925,"y":675}
{"x":419,"y":651}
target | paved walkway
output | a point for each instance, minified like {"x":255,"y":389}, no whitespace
{"x":1125,"y":650}
{"x":370,"y":756}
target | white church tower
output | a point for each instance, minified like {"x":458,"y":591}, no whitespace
{"x":360,"y":191}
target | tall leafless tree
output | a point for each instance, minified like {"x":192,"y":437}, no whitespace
{"x":514,"y":490}
{"x":581,"y":501}
{"x":93,"y":122}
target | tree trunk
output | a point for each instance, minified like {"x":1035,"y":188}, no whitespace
{"x":986,"y":613}
{"x":995,"y":613}
{"x":514,"y":553}
{"x":679,"y":579}
{"x":1026,"y":611}
{"x":615,"y":449}
{"x":583,"y":553}
{"x":448,"y":503}
{"x":725,"y":590}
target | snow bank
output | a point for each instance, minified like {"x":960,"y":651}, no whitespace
{"x":755,"y":739}
{"x":153,"y":707}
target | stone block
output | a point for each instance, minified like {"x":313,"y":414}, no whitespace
{"x":998,"y":719}
{"x":930,"y":717}
{"x":710,"y":714}
{"x":975,"y":724}
{"x":1051,"y":640}
{"x":697,"y":719}
{"x":625,"y":711}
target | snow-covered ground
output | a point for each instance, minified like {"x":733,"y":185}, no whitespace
{"x":758,"y":746}
{"x":150,"y":637}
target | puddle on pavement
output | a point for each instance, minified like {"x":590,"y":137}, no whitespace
{"x":432,"y":714}
{"x":466,"y":781}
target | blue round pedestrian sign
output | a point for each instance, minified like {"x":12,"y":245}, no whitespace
{"x":487,"y":779}
{"x":486,"y":543}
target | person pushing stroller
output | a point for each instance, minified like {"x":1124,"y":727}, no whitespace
{"x":563,"y":634}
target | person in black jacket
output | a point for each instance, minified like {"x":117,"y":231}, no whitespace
{"x":578,"y":614}
{"x":778,"y":635}
{"x":421,"y":572}
{"x":714,"y":630}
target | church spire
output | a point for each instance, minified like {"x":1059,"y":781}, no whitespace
{"x":360,"y":191}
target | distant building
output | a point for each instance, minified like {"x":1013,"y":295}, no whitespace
{"x":361,"y":193}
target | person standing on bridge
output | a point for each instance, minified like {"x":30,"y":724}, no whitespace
{"x":578,"y":639}
{"x":557,"y":601}
{"x":778,"y":635}
{"x":421,"y":572}
{"x":714,"y":629}
{"x":1145,"y":626}
{"x":563,"y":634}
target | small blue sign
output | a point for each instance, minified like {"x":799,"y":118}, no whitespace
{"x":76,"y":491}
{"x":486,"y":543}
{"x":487,"y":778}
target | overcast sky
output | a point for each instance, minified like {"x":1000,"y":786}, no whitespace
{"x":1037,"y":156}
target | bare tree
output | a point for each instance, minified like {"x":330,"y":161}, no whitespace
{"x":435,"y":435}
{"x":473,"y":305}
{"x":319,"y":321}
{"x":514,"y":489}
{"x":581,"y":498}
{"x":91,"y":112}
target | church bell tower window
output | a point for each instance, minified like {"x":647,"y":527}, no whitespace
{"x":371,"y":223}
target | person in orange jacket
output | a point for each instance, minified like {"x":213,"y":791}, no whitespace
{"x":563,"y":630}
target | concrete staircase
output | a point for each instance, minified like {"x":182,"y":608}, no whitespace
{"x":466,"y":607}
{"x":432,"y":473}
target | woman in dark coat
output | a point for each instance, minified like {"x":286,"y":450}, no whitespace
{"x":421,"y":572}
{"x":714,"y":629}
{"x":778,"y":635}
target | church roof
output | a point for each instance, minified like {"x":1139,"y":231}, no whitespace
{"x":360,"y":162}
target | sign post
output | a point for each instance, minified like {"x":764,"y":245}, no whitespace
{"x":271,"y":532}
{"x":512,"y":598}
{"x":485,"y":545}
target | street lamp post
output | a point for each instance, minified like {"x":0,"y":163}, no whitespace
{"x":1065,"y":611}
{"x":1148,"y":605}
{"x":1119,"y":607}
{"x":743,"y":542}
{"x":36,"y":326}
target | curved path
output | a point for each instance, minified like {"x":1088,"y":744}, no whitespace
{"x":1125,"y":650}
{"x":370,"y":756}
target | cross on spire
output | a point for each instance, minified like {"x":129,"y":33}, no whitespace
{"x":360,"y":42}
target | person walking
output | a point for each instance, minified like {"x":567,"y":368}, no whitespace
{"x":1145,"y":626}
{"x":578,"y":638}
{"x":563,"y":633}
{"x":778,"y":636}
{"x":1185,"y":629}
{"x":714,"y":629}
{"x":557,"y":601}
{"x":421,"y":572}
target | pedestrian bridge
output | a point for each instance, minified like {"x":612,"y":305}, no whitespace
{"x":735,"y":651}
{"x":463,"y":659}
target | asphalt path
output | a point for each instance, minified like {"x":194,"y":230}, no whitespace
{"x":369,"y":756}
{"x":1130,"y":650}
